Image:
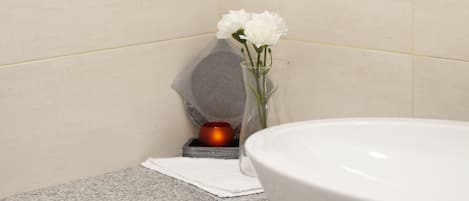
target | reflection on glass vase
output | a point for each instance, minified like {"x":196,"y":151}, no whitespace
{"x":266,"y":95}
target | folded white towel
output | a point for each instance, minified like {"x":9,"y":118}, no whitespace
{"x":217,"y":176}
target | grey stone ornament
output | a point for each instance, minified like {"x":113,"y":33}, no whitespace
{"x":212,"y":87}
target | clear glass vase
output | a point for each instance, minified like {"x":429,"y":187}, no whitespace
{"x":265,"y":106}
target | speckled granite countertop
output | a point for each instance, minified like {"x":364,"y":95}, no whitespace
{"x":132,"y":184}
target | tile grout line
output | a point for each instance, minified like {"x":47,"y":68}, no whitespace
{"x":413,"y":27}
{"x":211,"y":33}
{"x":413,"y":57}
{"x":347,"y":46}
{"x":374,"y":49}
{"x":441,"y":58}
{"x":104,"y":49}
{"x":413,"y":86}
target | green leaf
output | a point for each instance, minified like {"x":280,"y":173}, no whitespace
{"x":237,"y":36}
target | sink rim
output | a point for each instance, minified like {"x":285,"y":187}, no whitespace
{"x":254,"y":143}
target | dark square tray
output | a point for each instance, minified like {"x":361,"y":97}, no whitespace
{"x":193,"y":148}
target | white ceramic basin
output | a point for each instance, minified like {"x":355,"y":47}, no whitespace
{"x":363,"y":160}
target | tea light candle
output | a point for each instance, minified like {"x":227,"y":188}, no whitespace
{"x":216,"y":134}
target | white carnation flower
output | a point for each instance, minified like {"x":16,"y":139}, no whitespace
{"x":232,"y":22}
{"x":265,"y":29}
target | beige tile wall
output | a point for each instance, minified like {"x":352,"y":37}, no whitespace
{"x":85,"y":85}
{"x":86,"y":114}
{"x":442,"y":28}
{"x":441,"y":88}
{"x":346,"y":82}
{"x":374,"y":57}
{"x":39,"y":29}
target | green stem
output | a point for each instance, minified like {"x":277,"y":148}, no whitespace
{"x":271,"y":59}
{"x":258,"y":65}
{"x":263,"y":103}
{"x":259,"y":72}
{"x":264,"y":83}
{"x":249,"y":53}
{"x":259,"y":75}
{"x":262,"y":86}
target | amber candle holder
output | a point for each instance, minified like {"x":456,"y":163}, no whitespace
{"x":216,"y":134}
